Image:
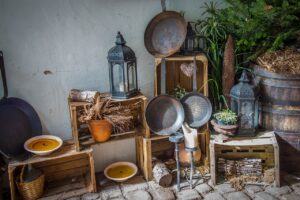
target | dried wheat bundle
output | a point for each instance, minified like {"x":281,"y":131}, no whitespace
{"x":122,"y":117}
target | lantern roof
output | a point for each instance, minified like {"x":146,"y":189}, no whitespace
{"x":243,"y":90}
{"x":121,"y":52}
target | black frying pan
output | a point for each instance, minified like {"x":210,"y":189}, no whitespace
{"x":18,"y":121}
{"x":164,"y":115}
{"x":197,"y":107}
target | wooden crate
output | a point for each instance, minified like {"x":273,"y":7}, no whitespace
{"x":263,"y":146}
{"x":174,"y":76}
{"x":158,"y":146}
{"x":81,"y":135}
{"x":67,"y":172}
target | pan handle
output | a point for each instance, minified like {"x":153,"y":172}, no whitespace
{"x":3,"y":75}
{"x":194,"y":74}
{"x":163,"y":5}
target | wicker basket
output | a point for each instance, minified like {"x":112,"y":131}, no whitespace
{"x":31,"y":190}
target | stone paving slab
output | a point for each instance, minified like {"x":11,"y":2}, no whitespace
{"x":162,"y":194}
{"x":237,"y":196}
{"x":291,"y":196}
{"x":138,"y":195}
{"x":224,"y":188}
{"x":110,"y":192}
{"x":278,"y":191}
{"x":135,"y":183}
{"x":188,"y":195}
{"x":264,"y":196}
{"x":214,"y":196}
{"x":252,"y":189}
{"x":90,"y":196}
{"x":203,"y":188}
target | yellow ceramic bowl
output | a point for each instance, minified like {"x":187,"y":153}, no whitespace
{"x":43,"y":145}
{"x":120,"y":171}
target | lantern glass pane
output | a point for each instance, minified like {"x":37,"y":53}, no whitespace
{"x":118,"y":82}
{"x":247,"y":115}
{"x":132,"y":75}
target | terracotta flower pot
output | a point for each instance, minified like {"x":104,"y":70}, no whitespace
{"x":184,"y":156}
{"x":100,"y":130}
{"x":224,"y":129}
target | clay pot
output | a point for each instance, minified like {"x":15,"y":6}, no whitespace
{"x":224,"y":129}
{"x":184,"y":156}
{"x":100,"y":130}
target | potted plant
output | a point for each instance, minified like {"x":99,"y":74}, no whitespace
{"x":103,"y":117}
{"x":225,"y":122}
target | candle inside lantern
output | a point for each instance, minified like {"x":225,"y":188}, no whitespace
{"x":190,"y":136}
{"x":123,"y":87}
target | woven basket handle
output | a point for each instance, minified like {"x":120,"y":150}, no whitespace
{"x":22,"y":174}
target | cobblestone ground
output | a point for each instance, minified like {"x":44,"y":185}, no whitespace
{"x":138,"y":189}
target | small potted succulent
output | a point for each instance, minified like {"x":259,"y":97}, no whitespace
{"x":225,"y":122}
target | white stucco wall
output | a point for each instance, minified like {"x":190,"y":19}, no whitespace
{"x":70,"y":38}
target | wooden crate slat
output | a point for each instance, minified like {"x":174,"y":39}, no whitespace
{"x":69,"y":173}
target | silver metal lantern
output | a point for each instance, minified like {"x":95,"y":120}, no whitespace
{"x":244,"y":102}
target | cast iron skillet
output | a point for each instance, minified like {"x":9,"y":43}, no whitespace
{"x":164,"y":115}
{"x":18,"y":121}
{"x":165,"y":33}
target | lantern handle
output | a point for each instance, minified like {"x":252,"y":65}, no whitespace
{"x":163,"y":5}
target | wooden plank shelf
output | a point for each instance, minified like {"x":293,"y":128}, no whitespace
{"x":263,"y":146}
{"x":67,"y":172}
{"x":81,"y":135}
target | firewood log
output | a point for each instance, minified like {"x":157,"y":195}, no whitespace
{"x":161,"y":174}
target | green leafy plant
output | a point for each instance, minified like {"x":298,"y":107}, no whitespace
{"x":179,"y":92}
{"x":226,"y":117}
{"x":260,"y":25}
{"x":214,"y":31}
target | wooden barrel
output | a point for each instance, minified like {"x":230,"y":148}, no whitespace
{"x":280,"y":98}
{"x":280,"y":111}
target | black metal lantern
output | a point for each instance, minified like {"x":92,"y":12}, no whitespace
{"x":244,"y":102}
{"x":192,"y":42}
{"x":122,"y":70}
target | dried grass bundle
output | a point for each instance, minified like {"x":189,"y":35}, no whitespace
{"x":239,"y":182}
{"x":286,"y":61}
{"x":122,"y":117}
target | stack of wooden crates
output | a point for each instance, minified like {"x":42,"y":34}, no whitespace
{"x":151,"y":145}
{"x":70,"y":171}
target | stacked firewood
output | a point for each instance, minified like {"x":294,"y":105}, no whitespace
{"x":249,"y":166}
{"x":246,"y":166}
